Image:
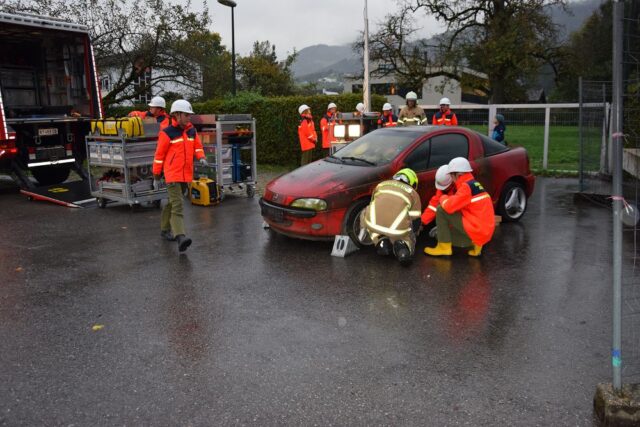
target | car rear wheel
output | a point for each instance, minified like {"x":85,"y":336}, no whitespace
{"x":50,"y":175}
{"x":513,"y":202}
{"x":352,"y":223}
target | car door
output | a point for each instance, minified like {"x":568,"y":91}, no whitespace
{"x":418,"y":160}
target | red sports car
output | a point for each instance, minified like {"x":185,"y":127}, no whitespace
{"x":324,"y":198}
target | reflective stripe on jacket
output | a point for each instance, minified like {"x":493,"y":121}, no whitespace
{"x":175,"y":151}
{"x":388,"y":121}
{"x":326,"y":126}
{"x":307,"y":134}
{"x":394,"y":205}
{"x":445,"y":119}
{"x":411,"y":113}
{"x":471,"y":199}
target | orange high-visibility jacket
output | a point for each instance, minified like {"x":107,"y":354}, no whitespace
{"x":327,"y":123}
{"x":447,"y":119}
{"x":471,"y":199}
{"x":307,"y":134}
{"x":429,"y":213}
{"x":163,"y":118}
{"x":387,"y":120}
{"x":175,"y":152}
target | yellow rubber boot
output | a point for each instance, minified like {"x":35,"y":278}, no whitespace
{"x":441,"y":249}
{"x":476,"y":251}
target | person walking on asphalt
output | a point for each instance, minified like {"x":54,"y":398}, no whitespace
{"x":466,"y":218}
{"x":178,"y":143}
{"x":306,"y":134}
{"x":392,"y":219}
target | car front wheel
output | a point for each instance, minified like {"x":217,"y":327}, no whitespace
{"x":352,"y":223}
{"x":513,"y":202}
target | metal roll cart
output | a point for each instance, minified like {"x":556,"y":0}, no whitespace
{"x":232,"y":149}
{"x":126,"y":164}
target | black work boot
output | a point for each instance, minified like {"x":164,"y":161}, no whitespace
{"x":402,"y":252}
{"x":384,"y":246}
{"x":167,"y":235}
{"x":183,"y":242}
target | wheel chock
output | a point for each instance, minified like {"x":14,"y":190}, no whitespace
{"x":343,"y":246}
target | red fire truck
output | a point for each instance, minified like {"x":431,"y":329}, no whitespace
{"x":49,"y":92}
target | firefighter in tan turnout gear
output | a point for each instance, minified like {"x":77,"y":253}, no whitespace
{"x":392,"y":219}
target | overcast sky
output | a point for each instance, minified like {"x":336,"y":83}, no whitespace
{"x":297,"y":24}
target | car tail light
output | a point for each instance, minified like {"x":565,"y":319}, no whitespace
{"x":9,"y":147}
{"x":32,"y":153}
{"x":69,"y":148}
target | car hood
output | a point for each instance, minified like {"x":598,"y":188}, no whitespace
{"x":321,"y":178}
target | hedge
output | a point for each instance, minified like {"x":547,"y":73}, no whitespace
{"x":276,"y":119}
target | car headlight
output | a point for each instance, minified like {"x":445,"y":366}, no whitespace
{"x":312,"y":204}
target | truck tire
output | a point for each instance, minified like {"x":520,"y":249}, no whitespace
{"x":513,"y":202}
{"x":49,"y":175}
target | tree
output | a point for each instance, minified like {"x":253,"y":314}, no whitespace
{"x":261,"y":72}
{"x":131,"y":38}
{"x":508,"y":40}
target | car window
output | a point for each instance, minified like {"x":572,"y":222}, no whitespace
{"x":447,"y":146}
{"x":490,"y":146}
{"x":378,"y":147}
{"x":418,"y":159}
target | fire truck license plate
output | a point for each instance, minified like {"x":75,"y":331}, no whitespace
{"x":47,"y":132}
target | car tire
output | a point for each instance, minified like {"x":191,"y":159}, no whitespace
{"x":352,"y":223}
{"x":50,"y":175}
{"x":513,"y":202}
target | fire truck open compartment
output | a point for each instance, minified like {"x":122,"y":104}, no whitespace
{"x":48,"y":95}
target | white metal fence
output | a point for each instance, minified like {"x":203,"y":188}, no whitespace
{"x":548,"y":131}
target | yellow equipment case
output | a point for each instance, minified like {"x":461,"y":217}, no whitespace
{"x":204,"y":192}
{"x":129,"y":126}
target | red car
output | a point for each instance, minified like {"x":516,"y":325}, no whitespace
{"x":324,"y":198}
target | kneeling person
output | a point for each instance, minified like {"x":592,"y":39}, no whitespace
{"x":466,"y":218}
{"x":392,"y":219}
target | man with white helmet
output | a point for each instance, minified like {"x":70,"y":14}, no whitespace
{"x":178,"y":143}
{"x":306,"y":134}
{"x":445,"y":117}
{"x":359,"y":110}
{"x":443,"y":186}
{"x":388,"y":119}
{"x":392,"y":219}
{"x":156,"y":111}
{"x":327,"y":124}
{"x":465,"y":218}
{"x":411,"y":114}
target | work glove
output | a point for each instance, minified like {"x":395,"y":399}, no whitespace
{"x":156,"y":184}
{"x":203,"y":162}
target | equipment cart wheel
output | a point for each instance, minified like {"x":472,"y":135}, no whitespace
{"x":251,"y":191}
{"x":102,"y":202}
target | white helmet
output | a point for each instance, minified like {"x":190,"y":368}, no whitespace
{"x":158,"y":101}
{"x":445,"y":101}
{"x":331,"y":105}
{"x":387,"y":107}
{"x":443,"y":179}
{"x":181,"y":106}
{"x":411,"y":96}
{"x":303,"y":108}
{"x":459,"y":164}
{"x":360,"y":107}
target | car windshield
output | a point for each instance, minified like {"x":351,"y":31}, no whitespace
{"x":378,"y":147}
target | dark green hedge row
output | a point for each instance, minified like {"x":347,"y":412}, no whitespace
{"x":276,"y":119}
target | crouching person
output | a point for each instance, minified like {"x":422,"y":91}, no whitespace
{"x":392,"y":219}
{"x":466,"y":218}
{"x":443,"y":186}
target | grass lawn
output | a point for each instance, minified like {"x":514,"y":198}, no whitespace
{"x":564,"y":147}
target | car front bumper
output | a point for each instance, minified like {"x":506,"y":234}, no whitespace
{"x":302,"y":223}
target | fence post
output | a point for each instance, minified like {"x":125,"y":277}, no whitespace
{"x":547,"y":125}
{"x":492,"y":113}
{"x":580,"y":138}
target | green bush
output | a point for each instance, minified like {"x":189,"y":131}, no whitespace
{"x":276,"y":119}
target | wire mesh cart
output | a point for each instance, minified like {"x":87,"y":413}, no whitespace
{"x":120,"y":168}
{"x":231,"y":147}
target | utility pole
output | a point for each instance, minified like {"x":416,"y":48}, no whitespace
{"x":365,"y":84}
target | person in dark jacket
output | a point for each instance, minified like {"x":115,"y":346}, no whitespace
{"x":499,"y":128}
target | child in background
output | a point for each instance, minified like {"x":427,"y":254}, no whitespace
{"x":498,"y":129}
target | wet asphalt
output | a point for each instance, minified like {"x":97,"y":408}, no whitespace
{"x":252,"y":328}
